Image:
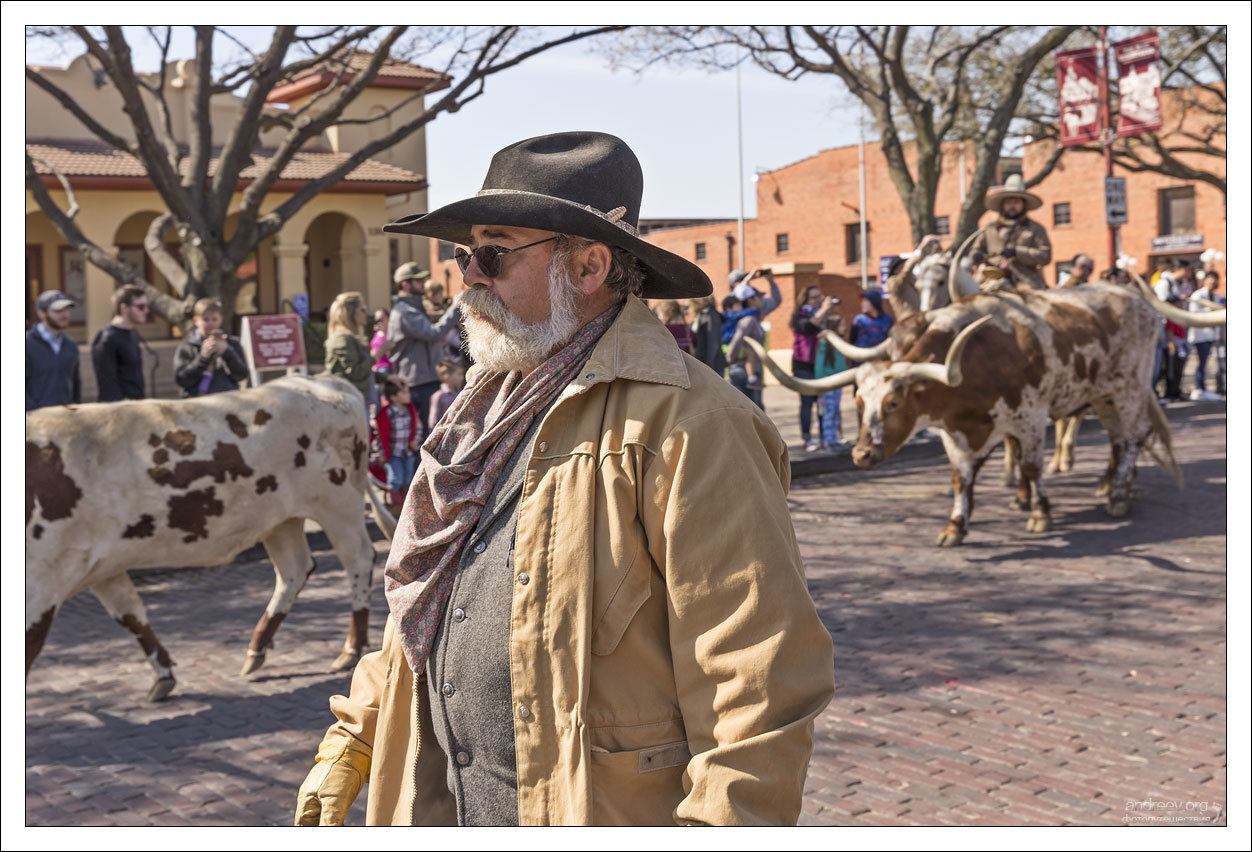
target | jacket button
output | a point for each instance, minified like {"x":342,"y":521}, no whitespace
{"x":448,"y":689}
{"x":458,"y":614}
{"x":590,"y":376}
{"x":543,"y":446}
{"x":523,"y":711}
{"x":462,"y":758}
{"x":480,"y":547}
{"x":523,"y":578}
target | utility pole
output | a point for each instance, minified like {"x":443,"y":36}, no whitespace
{"x":1107,"y":133}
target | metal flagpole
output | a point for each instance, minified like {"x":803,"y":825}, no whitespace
{"x":739,"y":137}
{"x":860,"y":121}
{"x":1107,"y":133}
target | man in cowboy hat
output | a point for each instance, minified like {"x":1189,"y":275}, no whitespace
{"x":576,"y":636}
{"x":1014,"y":244}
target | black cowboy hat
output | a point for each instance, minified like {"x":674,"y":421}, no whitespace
{"x":580,"y":183}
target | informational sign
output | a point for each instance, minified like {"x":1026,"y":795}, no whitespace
{"x":1078,"y":88}
{"x":1115,"y":200}
{"x":273,"y":342}
{"x":884,"y":268}
{"x":1138,"y":84}
{"x":1178,"y":242}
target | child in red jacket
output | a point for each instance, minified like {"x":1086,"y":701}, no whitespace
{"x":399,"y":435}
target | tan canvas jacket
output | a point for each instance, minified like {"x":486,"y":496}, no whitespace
{"x":1028,"y":237}
{"x":667,"y":660}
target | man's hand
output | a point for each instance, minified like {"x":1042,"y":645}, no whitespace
{"x":208,"y":348}
{"x":1009,"y":252}
{"x":333,"y":783}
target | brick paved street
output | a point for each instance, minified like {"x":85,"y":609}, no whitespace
{"x":1019,"y":680}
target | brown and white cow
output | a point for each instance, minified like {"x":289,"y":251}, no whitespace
{"x":998,"y":367}
{"x":153,"y":483}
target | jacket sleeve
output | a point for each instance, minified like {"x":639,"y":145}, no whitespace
{"x":76,"y":388}
{"x":753,"y":663}
{"x":234,"y":359}
{"x":383,"y":421}
{"x":1035,"y":248}
{"x":104,"y":359}
{"x":415,"y":324}
{"x":189,"y":366}
{"x":773,"y":300}
{"x":347,"y":357}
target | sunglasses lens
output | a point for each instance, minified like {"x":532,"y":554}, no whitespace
{"x":488,"y":258}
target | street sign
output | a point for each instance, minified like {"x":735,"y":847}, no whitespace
{"x":1178,"y":242}
{"x":273,"y":342}
{"x":1115,"y":200}
{"x":884,"y":268}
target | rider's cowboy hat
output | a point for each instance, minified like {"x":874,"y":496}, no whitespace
{"x":579,"y":183}
{"x":1014,"y":187}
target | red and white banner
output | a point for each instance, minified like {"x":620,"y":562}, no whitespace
{"x":1078,"y":85}
{"x":1139,"y":82}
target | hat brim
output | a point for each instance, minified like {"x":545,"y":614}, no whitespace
{"x":666,"y":275}
{"x":59,"y":305}
{"x":994,"y":201}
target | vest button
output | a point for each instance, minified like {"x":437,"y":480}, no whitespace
{"x":523,"y":711}
{"x":458,"y":614}
{"x":448,"y":689}
{"x":480,"y":547}
{"x":523,"y":578}
{"x":462,"y":758}
{"x":543,"y":446}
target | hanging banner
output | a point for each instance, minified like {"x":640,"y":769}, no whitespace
{"x":1139,"y":82}
{"x":1078,"y":87}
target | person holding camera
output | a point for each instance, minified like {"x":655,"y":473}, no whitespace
{"x":210,"y":360}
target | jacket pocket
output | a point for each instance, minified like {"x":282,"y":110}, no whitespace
{"x":622,"y":581}
{"x":640,"y":787}
{"x":621,"y":588}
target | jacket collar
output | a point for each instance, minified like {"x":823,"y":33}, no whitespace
{"x":637,"y":346}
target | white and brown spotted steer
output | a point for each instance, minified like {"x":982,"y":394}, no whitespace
{"x":1001,"y":366}
{"x":153,"y":483}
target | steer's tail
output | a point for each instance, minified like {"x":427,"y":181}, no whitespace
{"x":1162,"y":453}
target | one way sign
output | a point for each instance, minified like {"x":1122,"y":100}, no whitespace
{"x":1115,"y":200}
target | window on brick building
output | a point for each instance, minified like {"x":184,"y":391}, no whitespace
{"x":1060,"y":213}
{"x":943,"y":226}
{"x":852,"y":241}
{"x":1177,"y":207}
{"x":446,"y":251}
{"x":701,"y":251}
{"x":393,"y":253}
{"x":782,"y":243}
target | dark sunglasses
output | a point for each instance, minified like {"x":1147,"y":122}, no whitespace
{"x":488,"y":257}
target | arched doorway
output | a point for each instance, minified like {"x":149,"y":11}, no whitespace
{"x":51,"y":264}
{"x":335,"y":261}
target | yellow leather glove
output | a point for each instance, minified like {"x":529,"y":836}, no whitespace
{"x":342,"y":768}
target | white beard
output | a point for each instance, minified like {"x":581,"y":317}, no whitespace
{"x":512,"y":344}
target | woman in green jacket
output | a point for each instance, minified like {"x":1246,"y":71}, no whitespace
{"x":347,"y":356}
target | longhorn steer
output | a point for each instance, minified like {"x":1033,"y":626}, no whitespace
{"x":1000,"y":366}
{"x":150,"y":483}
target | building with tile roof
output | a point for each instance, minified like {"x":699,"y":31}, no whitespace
{"x":334,"y":243}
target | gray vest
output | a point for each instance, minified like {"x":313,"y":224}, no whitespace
{"x":468,"y":683}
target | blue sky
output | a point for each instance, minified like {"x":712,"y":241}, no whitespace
{"x":680,"y":122}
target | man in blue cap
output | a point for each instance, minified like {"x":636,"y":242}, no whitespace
{"x":871,"y":325}
{"x":52,"y":376}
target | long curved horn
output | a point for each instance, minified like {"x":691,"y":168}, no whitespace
{"x":378,"y":504}
{"x":856,"y":353}
{"x":1206,"y":319}
{"x":806,"y":387}
{"x":954,"y":271}
{"x":949,"y":373}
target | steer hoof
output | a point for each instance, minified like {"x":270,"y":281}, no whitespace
{"x":1053,"y":467}
{"x":1038,"y":523}
{"x":252,"y":661}
{"x":161,"y":687}
{"x":345,"y":660}
{"x":1102,"y":490}
{"x":1019,"y":504}
{"x":950,"y":537}
{"x":1117,"y":508}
